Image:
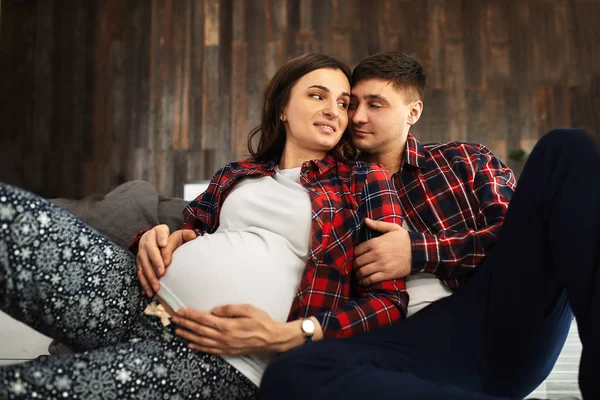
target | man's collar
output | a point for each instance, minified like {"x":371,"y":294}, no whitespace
{"x":414,"y":153}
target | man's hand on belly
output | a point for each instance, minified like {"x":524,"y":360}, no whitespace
{"x":239,"y":329}
{"x":155,"y":252}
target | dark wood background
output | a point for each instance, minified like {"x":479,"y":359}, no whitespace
{"x":94,"y":93}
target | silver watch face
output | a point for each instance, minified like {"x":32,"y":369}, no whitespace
{"x":308,"y":327}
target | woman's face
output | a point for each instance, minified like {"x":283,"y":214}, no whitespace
{"x":317,"y":112}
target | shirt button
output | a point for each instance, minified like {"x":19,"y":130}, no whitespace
{"x":314,"y":259}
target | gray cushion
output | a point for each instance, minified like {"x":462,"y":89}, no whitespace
{"x":128,"y":209}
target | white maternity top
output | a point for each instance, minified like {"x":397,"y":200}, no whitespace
{"x":256,"y":256}
{"x":423,"y":289}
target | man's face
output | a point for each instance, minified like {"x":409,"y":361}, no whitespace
{"x":380,"y":116}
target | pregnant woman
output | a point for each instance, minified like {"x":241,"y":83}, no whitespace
{"x":275,"y":232}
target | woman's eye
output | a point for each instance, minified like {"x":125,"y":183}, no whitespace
{"x":343,"y":104}
{"x":316,"y":96}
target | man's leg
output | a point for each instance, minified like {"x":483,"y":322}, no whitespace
{"x":549,"y":246}
{"x":436,"y":352}
{"x":61,"y":277}
{"x":343,"y":371}
{"x":502,"y":332}
{"x":432,"y":355}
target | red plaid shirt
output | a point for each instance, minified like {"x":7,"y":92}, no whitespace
{"x":342,"y":195}
{"x":454,"y":197}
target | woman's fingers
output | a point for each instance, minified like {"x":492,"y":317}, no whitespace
{"x":147,"y":290}
{"x":199,"y":322}
{"x":157,"y":264}
{"x":147,"y":270}
{"x":200,"y":340}
{"x":162,"y":233}
{"x":152,"y":264}
{"x":167,"y":251}
{"x":176,"y":239}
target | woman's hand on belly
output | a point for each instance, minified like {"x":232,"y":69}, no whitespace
{"x":176,"y":239}
{"x":239,"y":329}
{"x":155,"y":254}
{"x":149,"y":258}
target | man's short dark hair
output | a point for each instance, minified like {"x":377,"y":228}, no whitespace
{"x":402,"y":70}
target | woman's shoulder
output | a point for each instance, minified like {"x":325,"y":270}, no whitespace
{"x":242,"y":167}
{"x":245,"y":164}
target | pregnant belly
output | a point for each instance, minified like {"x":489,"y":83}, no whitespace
{"x":237,"y":267}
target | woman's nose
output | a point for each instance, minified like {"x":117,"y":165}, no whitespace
{"x":330,"y":112}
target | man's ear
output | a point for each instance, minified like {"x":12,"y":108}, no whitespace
{"x":415,"y":112}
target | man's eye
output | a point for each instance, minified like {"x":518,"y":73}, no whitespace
{"x":375,"y":105}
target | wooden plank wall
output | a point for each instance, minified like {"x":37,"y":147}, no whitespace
{"x":95,"y":93}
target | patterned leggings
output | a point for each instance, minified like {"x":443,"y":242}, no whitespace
{"x":66,"y":280}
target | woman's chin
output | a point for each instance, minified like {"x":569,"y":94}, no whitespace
{"x":329,"y":145}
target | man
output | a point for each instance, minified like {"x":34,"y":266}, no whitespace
{"x":514,"y":273}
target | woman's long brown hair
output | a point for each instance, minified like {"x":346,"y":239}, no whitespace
{"x":271,"y":131}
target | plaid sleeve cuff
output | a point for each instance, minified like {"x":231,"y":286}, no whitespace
{"x":370,"y":312}
{"x":425,"y":252}
{"x":135,"y":243}
{"x":198,"y":232}
{"x":330,"y":325}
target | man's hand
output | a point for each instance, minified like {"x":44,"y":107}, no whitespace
{"x":232,"y":329}
{"x":383,"y":258}
{"x":154,"y":255}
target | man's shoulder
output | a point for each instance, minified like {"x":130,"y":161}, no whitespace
{"x":457,"y":152}
{"x":456,"y":147}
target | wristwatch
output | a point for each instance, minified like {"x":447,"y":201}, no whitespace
{"x":308,"y":329}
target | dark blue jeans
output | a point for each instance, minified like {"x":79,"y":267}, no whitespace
{"x":500,"y":334}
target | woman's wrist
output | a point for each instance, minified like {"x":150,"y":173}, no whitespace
{"x":289,"y":335}
{"x":286,"y":336}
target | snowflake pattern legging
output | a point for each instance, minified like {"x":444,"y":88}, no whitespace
{"x":66,"y":280}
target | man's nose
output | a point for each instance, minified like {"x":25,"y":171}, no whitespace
{"x":359,"y":115}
